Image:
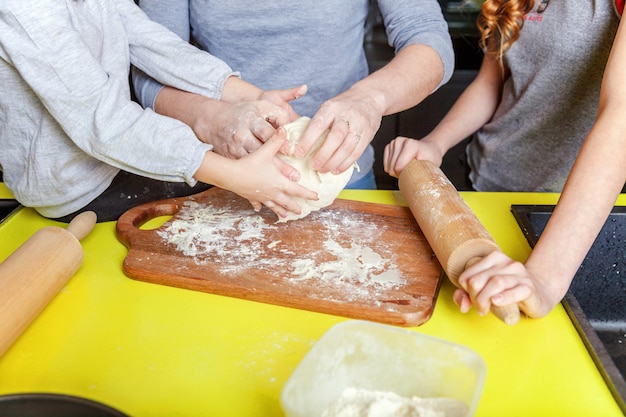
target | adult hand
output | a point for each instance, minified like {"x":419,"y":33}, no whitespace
{"x":254,"y":126}
{"x":352,"y":120}
{"x":400,"y":151}
{"x":236,"y":129}
{"x":282,"y":98}
{"x":498,"y":280}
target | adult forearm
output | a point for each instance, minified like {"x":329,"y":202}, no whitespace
{"x":405,"y":81}
{"x":189,"y":108}
{"x":236,"y":89}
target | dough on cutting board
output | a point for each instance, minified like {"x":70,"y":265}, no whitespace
{"x":359,"y":402}
{"x":326,"y":185}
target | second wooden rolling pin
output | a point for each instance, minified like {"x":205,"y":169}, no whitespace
{"x":453,"y":231}
{"x":32,"y":275}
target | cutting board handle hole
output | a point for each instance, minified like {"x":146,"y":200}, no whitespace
{"x":149,"y":216}
{"x":155,"y":223}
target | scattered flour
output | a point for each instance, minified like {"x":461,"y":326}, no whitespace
{"x":357,"y":402}
{"x":342,"y":252}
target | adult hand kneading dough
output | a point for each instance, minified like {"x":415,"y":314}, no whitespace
{"x":326,"y":185}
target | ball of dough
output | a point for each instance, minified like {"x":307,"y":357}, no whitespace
{"x":326,"y":185}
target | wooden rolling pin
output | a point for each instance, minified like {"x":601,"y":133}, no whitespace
{"x":32,"y":275}
{"x":453,"y":231}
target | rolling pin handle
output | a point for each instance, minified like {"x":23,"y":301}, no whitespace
{"x":35,"y":273}
{"x":81,"y":225}
{"x":509,"y":313}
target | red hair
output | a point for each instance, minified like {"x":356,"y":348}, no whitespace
{"x":500,"y":22}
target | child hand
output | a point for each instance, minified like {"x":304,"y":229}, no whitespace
{"x":266,"y":180}
{"x":498,"y":280}
{"x":400,"y":151}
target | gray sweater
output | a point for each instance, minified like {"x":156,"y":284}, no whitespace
{"x":549,"y":102}
{"x":284,"y":43}
{"x":67,"y":124}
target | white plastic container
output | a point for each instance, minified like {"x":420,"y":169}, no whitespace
{"x":380,"y":357}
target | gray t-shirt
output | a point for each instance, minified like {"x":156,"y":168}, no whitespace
{"x":67,"y":124}
{"x":549,"y":102}
{"x":284,"y":43}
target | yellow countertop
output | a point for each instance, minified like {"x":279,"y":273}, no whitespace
{"x":150,"y":350}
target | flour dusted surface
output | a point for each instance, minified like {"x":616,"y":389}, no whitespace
{"x":344,"y":253}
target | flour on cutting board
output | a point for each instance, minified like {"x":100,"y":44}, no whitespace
{"x":344,"y":252}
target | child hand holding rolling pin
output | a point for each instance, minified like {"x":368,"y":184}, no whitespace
{"x":592,"y":187}
{"x":73,"y":140}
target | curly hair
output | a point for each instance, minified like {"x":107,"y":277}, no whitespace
{"x":500,"y":22}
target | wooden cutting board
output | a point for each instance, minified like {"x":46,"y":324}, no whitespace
{"x":353,"y":259}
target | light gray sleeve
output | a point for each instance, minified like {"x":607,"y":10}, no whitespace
{"x":92,"y":105}
{"x":174,"y":15}
{"x":162,"y":55}
{"x":419,"y":22}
